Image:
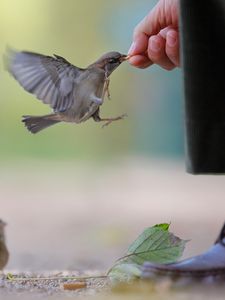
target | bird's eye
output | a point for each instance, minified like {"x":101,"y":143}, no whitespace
{"x":112,"y":61}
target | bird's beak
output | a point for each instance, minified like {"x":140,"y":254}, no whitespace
{"x":124,"y":57}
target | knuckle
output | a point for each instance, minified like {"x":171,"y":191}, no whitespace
{"x":139,"y":28}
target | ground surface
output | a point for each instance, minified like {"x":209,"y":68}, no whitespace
{"x":53,"y":288}
{"x":75,"y":216}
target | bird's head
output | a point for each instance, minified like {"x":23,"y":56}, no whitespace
{"x":110,"y":61}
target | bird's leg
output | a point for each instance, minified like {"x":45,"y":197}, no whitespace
{"x":106,"y":87}
{"x":108,"y":121}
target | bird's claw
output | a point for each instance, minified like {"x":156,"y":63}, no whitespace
{"x":106,"y":124}
{"x":110,"y":120}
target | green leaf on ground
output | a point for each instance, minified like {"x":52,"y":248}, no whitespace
{"x":164,"y":226}
{"x":156,"y":244}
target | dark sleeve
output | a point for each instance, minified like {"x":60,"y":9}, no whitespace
{"x":203,"y":56}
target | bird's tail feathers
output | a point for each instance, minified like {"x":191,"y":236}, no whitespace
{"x":37,"y":123}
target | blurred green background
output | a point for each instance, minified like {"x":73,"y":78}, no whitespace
{"x":80,"y":31}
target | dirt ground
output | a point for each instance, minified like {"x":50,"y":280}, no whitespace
{"x":80,"y":217}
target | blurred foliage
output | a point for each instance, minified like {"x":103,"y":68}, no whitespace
{"x":80,"y":31}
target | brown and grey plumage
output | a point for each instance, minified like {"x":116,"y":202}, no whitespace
{"x":74,"y":94}
{"x":4,"y":254}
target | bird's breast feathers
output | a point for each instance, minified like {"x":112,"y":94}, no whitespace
{"x":88,"y":87}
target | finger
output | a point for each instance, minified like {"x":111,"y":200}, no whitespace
{"x":151,"y":24}
{"x":172,"y":47}
{"x":139,"y":45}
{"x":165,"y":30}
{"x":140,"y":61}
{"x":141,"y":35}
{"x":157,"y":54}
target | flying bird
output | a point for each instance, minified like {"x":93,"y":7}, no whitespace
{"x":74,"y":94}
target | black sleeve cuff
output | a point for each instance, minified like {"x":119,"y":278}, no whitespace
{"x":203,"y":59}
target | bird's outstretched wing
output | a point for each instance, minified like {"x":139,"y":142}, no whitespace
{"x":51,"y":79}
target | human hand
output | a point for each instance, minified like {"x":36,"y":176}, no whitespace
{"x":156,"y":37}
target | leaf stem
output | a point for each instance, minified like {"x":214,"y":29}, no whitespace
{"x":57,"y":278}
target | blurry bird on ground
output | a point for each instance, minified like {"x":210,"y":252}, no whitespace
{"x":74,"y":94}
{"x":4,"y":254}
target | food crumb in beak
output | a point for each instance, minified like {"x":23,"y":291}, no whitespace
{"x":124,"y":57}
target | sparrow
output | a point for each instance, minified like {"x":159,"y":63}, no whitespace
{"x":74,"y":94}
{"x":4,"y":254}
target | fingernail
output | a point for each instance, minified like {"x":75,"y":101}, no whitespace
{"x":155,"y":45}
{"x":132,"y":48}
{"x":172,"y":38}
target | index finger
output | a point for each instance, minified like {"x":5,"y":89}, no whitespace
{"x":143,"y":30}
